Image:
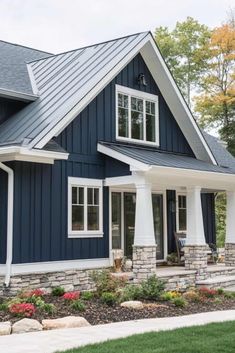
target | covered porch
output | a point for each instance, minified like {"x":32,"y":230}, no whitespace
{"x":154,"y":173}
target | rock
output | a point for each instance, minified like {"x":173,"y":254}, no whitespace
{"x":26,"y":325}
{"x":65,"y":322}
{"x":133,"y":304}
{"x":68,"y":287}
{"x":5,"y":328}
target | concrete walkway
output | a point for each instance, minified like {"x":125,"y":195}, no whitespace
{"x":52,"y":341}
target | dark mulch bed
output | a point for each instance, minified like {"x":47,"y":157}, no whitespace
{"x":99,"y":313}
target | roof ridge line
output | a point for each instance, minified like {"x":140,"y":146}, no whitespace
{"x":25,"y":46}
{"x":88,"y":46}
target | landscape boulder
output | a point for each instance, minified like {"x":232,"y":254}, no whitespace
{"x":5,"y":328}
{"x":133,"y":304}
{"x":26,"y":325}
{"x":64,"y":322}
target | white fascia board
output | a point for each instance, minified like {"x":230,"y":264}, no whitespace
{"x":41,"y":140}
{"x":56,"y":266}
{"x":193,"y":173}
{"x":122,"y":180}
{"x":25,"y":97}
{"x":18,"y":153}
{"x":123,"y":158}
{"x":175,"y":101}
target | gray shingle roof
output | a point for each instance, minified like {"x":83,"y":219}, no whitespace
{"x":157,"y":158}
{"x":62,"y":81}
{"x":13,"y":70}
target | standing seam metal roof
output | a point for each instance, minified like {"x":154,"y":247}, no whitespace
{"x":62,"y":81}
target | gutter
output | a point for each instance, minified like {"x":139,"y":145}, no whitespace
{"x":10,"y":202}
{"x":25,"y":97}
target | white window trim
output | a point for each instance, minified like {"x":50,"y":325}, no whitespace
{"x":85,"y":182}
{"x":142,"y":95}
{"x":177,"y":211}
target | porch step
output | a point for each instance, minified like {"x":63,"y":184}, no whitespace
{"x":223,"y":281}
{"x":220,"y":270}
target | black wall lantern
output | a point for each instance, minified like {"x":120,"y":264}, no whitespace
{"x":142,"y":80}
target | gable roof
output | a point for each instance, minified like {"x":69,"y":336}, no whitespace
{"x":14,"y":76}
{"x":67,"y":82}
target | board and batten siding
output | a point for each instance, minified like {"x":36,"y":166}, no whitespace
{"x":40,"y":198}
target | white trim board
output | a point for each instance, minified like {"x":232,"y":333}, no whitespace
{"x":163,"y":78}
{"x":56,"y":266}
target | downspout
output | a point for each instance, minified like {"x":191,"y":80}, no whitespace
{"x":10,"y":201}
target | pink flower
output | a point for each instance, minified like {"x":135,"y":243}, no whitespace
{"x":22,"y":309}
{"x":71,"y":295}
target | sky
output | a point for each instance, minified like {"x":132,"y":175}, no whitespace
{"x":60,"y":25}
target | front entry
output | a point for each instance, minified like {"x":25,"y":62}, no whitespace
{"x":123,"y":222}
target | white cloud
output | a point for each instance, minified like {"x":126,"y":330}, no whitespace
{"x":59,"y":25}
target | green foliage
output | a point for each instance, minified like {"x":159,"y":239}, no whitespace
{"x":179,"y":302}
{"x":152,"y":288}
{"x":184,"y":51}
{"x":220,"y":214}
{"x":109,"y":298}
{"x":220,"y":291}
{"x":130,"y":292}
{"x":78,"y":305}
{"x":58,"y":291}
{"x":3,"y":307}
{"x":105,"y":282}
{"x":87,"y":295}
{"x":37,"y":301}
{"x":49,"y":308}
{"x":229,"y":295}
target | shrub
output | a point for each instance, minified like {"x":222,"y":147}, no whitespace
{"x":71,"y":295}
{"x":105,"y":282}
{"x":192,"y":296}
{"x":130,"y":292}
{"x":87,"y":295}
{"x":207,"y":292}
{"x":78,"y":305}
{"x":3,"y":307}
{"x":37,"y":301}
{"x":229,"y":295}
{"x":22,"y":309}
{"x":37,"y":293}
{"x":58,"y":291}
{"x":220,"y":291}
{"x":109,"y":298}
{"x":152,"y":288}
{"x":49,"y":308}
{"x":179,"y":302}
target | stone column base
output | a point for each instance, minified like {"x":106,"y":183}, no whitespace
{"x":229,"y":254}
{"x":143,"y":262}
{"x":196,"y":259}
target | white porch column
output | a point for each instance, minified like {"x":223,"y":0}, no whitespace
{"x":230,"y":229}
{"x":144,"y":247}
{"x":195,"y":251}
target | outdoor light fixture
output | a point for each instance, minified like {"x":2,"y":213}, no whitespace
{"x":141,"y":80}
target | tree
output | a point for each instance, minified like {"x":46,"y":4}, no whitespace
{"x":184,"y":51}
{"x":216,"y":104}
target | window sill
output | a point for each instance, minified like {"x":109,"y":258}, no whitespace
{"x":75,"y":235}
{"x":137,"y":142}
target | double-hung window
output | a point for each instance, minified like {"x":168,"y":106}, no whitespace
{"x":182,"y":213}
{"x":136,"y":116}
{"x":85,"y":207}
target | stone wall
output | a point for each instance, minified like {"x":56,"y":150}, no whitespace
{"x":143,"y":262}
{"x":229,"y":254}
{"x":70,"y":280}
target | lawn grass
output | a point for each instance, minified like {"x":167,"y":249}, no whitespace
{"x":212,"y":338}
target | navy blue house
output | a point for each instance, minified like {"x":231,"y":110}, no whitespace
{"x":99,"y":152}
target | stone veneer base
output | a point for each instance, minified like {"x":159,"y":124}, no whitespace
{"x":196,"y":259}
{"x":229,"y":254}
{"x":69,"y":279}
{"x":143,"y":262}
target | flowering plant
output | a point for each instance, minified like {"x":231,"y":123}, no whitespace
{"x":71,"y":295}
{"x":207,"y":292}
{"x":22,"y":309}
{"x":33,"y":293}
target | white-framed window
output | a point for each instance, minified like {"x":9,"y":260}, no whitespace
{"x":137,"y":117}
{"x":85,"y":208}
{"x":181,"y":213}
